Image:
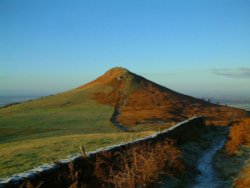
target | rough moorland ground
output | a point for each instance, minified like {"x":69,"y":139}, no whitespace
{"x":233,"y":161}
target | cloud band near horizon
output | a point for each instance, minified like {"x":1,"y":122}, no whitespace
{"x":239,"y":73}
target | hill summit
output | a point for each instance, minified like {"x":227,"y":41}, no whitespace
{"x":137,"y":100}
{"x":107,"y":77}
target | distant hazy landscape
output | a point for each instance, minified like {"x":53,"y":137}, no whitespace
{"x":5,"y":100}
{"x":242,"y":105}
{"x":237,"y":102}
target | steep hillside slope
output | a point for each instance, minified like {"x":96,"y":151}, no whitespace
{"x":139,"y":101}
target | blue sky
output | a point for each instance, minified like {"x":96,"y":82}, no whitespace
{"x":194,"y":47}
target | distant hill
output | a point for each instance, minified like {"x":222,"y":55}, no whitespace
{"x":119,"y":97}
{"x":139,"y":101}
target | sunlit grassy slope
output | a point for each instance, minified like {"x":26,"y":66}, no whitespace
{"x":51,"y":128}
{"x":64,"y":114}
{"x":19,"y":156}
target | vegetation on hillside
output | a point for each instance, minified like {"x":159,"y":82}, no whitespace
{"x":32,"y":132}
{"x":16,"y":157}
{"x":243,"y":180}
{"x":239,"y":135}
{"x":233,"y":162}
{"x":140,"y":165}
{"x":140,"y":101}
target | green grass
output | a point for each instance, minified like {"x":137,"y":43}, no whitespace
{"x":53,"y":127}
{"x":19,"y":156}
{"x":64,"y":114}
{"x":51,"y":122}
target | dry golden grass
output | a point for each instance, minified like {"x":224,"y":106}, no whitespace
{"x":239,"y":135}
{"x":138,"y":166}
{"x":139,"y":100}
{"x":243,"y":181}
{"x":109,"y":76}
